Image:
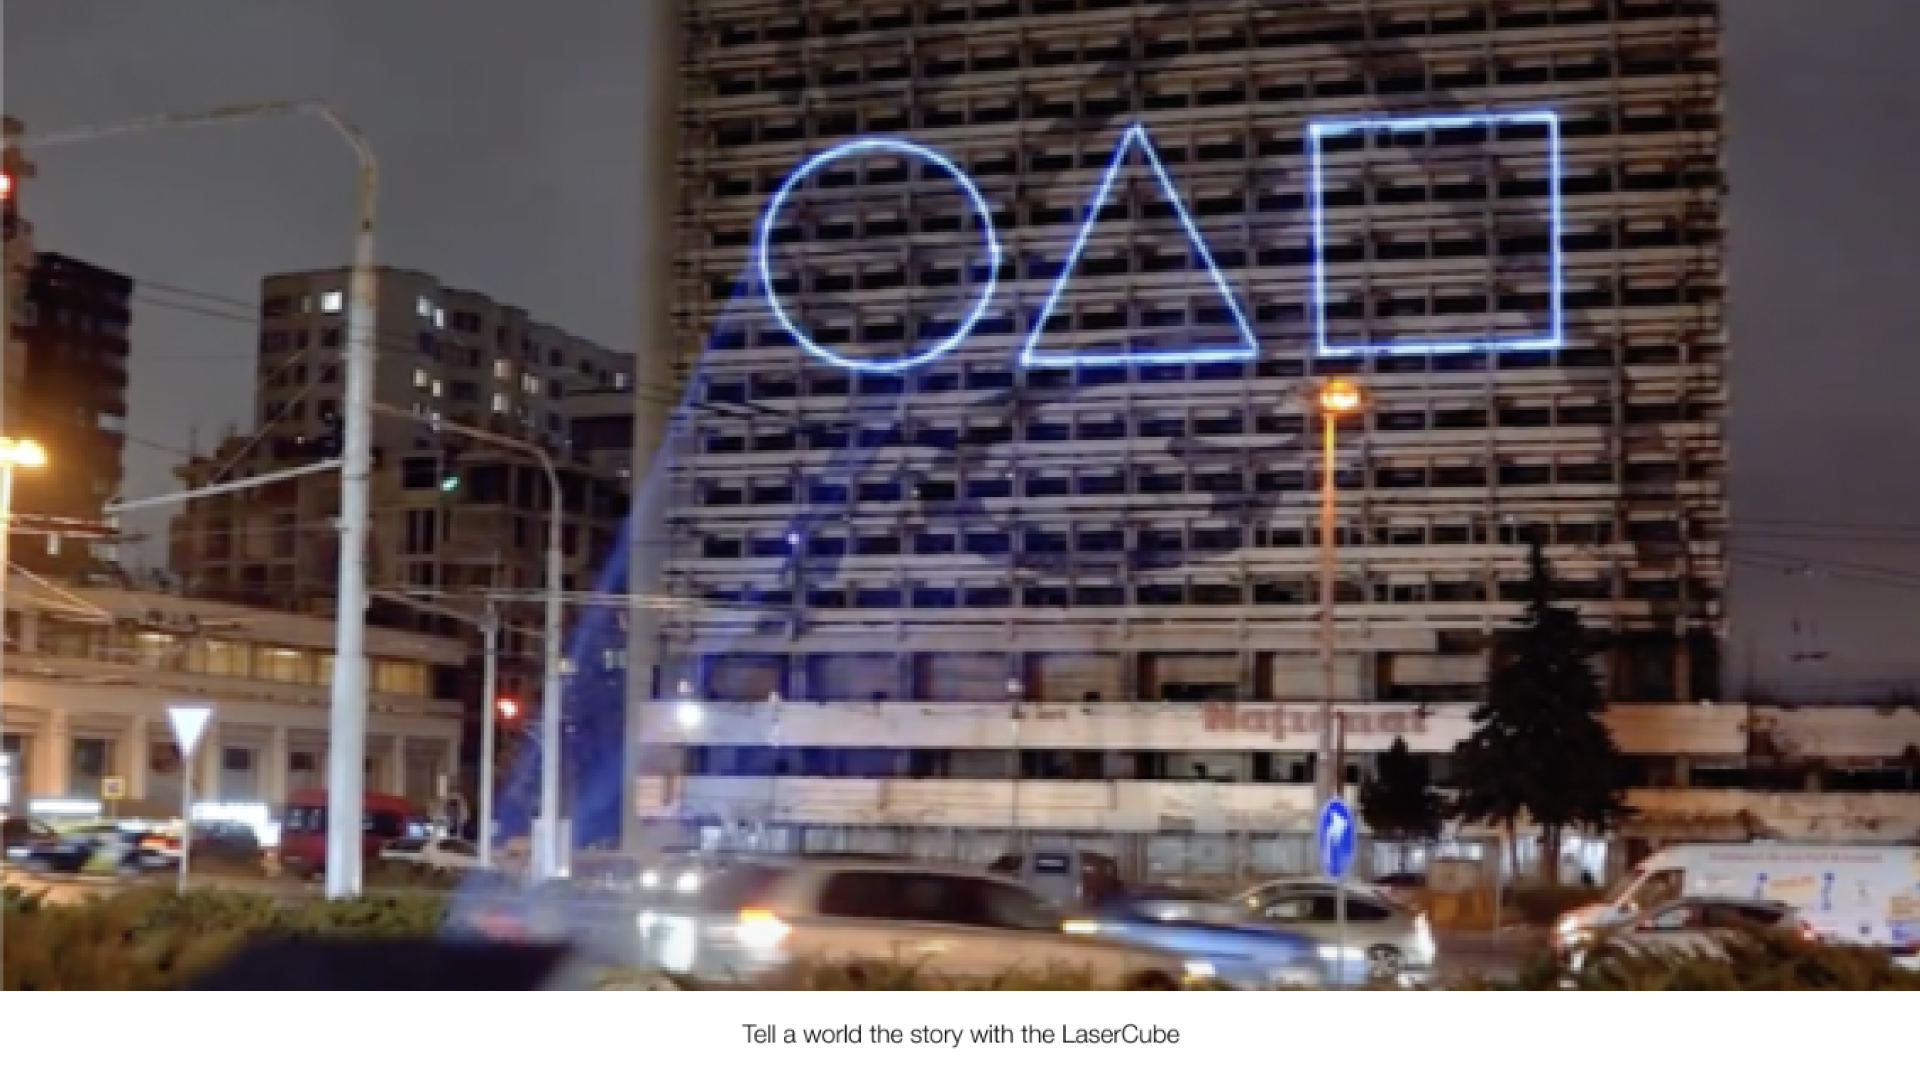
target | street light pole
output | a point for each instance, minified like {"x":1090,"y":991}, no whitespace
{"x":347,"y":721}
{"x":1337,"y":398}
{"x":489,"y":720}
{"x":546,"y":829}
{"x":14,"y":454}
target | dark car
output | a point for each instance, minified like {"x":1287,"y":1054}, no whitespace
{"x":18,"y":834}
{"x":101,"y":849}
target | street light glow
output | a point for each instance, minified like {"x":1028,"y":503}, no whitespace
{"x":1340,"y":396}
{"x":22,"y":453}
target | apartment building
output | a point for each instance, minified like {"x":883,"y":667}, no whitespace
{"x":74,"y":326}
{"x":452,"y":514}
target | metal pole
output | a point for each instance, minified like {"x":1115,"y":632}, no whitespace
{"x":490,"y":718}
{"x":550,"y":866}
{"x":1327,"y":778}
{"x":773,"y":766}
{"x":347,"y":724}
{"x":6,"y":556}
{"x":186,"y":818}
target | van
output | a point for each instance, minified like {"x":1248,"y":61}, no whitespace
{"x":1848,"y":895}
{"x":1065,"y":879}
{"x":303,"y":829}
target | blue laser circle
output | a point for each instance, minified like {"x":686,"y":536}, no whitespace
{"x":763,"y":254}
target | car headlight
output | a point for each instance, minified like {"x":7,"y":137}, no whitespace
{"x":687,"y":882}
{"x":1079,"y":926}
{"x":650,"y":880}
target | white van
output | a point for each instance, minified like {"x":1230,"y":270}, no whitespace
{"x":1855,"y":895}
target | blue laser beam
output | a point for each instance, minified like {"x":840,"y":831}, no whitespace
{"x":1320,"y":131}
{"x":1247,"y":349}
{"x":763,"y":254}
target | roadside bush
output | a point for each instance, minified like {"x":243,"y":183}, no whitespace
{"x":151,"y":938}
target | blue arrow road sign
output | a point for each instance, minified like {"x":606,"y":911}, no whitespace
{"x":1336,"y":835}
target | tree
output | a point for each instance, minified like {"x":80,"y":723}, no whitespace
{"x":1398,"y":802}
{"x":1540,"y":748}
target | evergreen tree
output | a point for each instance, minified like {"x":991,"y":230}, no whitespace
{"x":1398,"y":802}
{"x":1540,"y":749}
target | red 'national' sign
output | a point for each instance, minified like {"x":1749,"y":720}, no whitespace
{"x":1283,"y":721}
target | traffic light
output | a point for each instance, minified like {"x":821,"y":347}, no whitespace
{"x":507,"y":708}
{"x":332,"y":441}
{"x":449,"y":470}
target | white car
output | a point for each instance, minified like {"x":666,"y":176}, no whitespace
{"x":446,"y":853}
{"x":755,"y":919}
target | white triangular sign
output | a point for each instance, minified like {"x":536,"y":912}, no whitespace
{"x":189,"y":723}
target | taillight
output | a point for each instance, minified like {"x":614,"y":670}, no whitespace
{"x":761,"y":929}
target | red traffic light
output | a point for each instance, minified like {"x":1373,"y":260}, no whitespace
{"x":6,"y":185}
{"x":508,"y":708}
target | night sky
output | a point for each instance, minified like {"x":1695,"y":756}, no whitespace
{"x":506,"y":139}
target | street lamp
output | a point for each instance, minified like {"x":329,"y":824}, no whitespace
{"x":1336,"y":398}
{"x":546,"y":831}
{"x":14,"y":454}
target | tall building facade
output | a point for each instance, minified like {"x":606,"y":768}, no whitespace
{"x":452,"y":515}
{"x":75,"y":328}
{"x":1131,"y":234}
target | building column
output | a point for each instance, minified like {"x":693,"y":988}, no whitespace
{"x":206,"y":765}
{"x":29,"y":643}
{"x":54,"y":744}
{"x":273,"y":777}
{"x":136,"y":758}
{"x":394,"y":765}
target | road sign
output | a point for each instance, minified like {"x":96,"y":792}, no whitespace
{"x":1337,"y":838}
{"x":112,"y":788}
{"x":189,"y":723}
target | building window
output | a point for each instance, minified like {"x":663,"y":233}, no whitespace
{"x":500,"y":403}
{"x":421,"y":379}
{"x":281,"y":665}
{"x":90,"y":763}
{"x":503,"y":368}
{"x":154,"y":650}
{"x":218,"y":658}
{"x":400,"y":677}
{"x":332,"y":302}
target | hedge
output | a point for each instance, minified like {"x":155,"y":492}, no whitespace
{"x":151,"y":938}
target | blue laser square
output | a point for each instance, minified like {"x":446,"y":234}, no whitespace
{"x":1535,"y":338}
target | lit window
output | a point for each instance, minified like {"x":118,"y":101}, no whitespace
{"x":439,"y":388}
{"x":424,"y":307}
{"x":503,"y":368}
{"x":332,"y":303}
{"x":110,"y":422}
{"x":621,"y":380}
{"x":530,"y":384}
{"x":440,"y":318}
{"x":500,"y":403}
{"x":421,"y":380}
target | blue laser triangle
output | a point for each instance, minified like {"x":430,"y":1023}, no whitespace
{"x":1246,"y":349}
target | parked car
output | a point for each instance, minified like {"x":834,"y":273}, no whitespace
{"x":1066,"y":879}
{"x":757,"y":918}
{"x":97,"y":849}
{"x":446,"y":854}
{"x":1395,"y":942}
{"x":1693,"y":927}
{"x":1244,"y":953}
{"x":18,"y":834}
